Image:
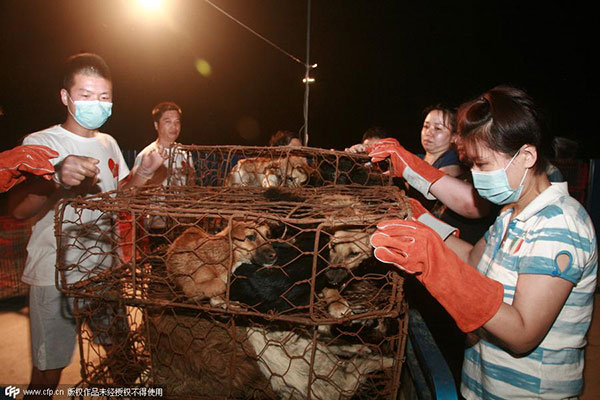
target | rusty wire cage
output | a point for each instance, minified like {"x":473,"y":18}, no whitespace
{"x":214,"y":291}
{"x":270,"y":166}
{"x":195,"y":354}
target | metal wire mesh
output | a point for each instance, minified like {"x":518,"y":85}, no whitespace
{"x":243,"y":166}
{"x":305,"y":239}
{"x":220,"y":290}
{"x":196,"y":354}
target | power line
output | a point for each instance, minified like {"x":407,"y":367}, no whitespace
{"x":256,"y":33}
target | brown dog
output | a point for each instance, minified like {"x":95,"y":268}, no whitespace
{"x":292,"y":171}
{"x":200,"y":263}
{"x":347,"y":249}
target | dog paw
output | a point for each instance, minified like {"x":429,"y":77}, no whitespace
{"x":218,"y":302}
{"x":339,"y":309}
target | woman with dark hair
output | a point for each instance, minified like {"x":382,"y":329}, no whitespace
{"x":525,"y":290}
{"x":437,"y":138}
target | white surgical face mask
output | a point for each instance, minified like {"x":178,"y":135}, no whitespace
{"x":494,"y":186}
{"x":91,"y":114}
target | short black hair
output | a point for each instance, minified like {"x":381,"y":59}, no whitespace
{"x":162,"y":108}
{"x":282,"y":138}
{"x":375,"y":132}
{"x":84,"y":63}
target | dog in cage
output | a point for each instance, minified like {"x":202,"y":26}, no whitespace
{"x":194,"y":353}
{"x":287,"y":284}
{"x":337,"y":370}
{"x":292,"y":171}
{"x":200,"y":263}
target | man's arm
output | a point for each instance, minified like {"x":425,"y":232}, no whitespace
{"x":144,"y":171}
{"x":29,"y":198}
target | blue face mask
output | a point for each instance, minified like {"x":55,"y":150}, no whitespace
{"x":91,"y":114}
{"x":494,"y":186}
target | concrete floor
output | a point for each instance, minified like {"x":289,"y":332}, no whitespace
{"x":15,"y":353}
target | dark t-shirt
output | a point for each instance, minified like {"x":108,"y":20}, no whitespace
{"x":471,"y":230}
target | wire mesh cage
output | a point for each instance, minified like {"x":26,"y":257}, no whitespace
{"x":218,"y":246}
{"x":243,"y":166}
{"x":196,"y":354}
{"x":239,"y":281}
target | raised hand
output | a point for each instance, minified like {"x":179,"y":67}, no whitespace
{"x":414,"y":170}
{"x":152,"y":161}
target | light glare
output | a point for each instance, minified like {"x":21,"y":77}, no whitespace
{"x":203,"y":67}
{"x":150,"y":4}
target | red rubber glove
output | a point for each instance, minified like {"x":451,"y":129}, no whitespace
{"x":470,"y":297}
{"x":34,"y":159}
{"x":421,"y":214}
{"x":414,"y":170}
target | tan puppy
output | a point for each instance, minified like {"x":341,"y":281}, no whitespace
{"x":292,"y":171}
{"x":347,"y":249}
{"x":200,"y":263}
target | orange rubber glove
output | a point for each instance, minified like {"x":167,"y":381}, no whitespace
{"x":414,"y":170}
{"x":34,"y":159}
{"x":470,"y":297}
{"x":421,"y":214}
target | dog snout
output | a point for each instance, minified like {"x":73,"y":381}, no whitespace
{"x":336,"y":275}
{"x":265,"y":255}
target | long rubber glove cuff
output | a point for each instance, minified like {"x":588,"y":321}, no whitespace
{"x":422,"y":215}
{"x":470,"y":297}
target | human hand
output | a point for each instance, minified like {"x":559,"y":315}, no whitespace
{"x":356,"y":148}
{"x":470,"y":297}
{"x":392,"y":149}
{"x":33,"y":159}
{"x":74,"y":169}
{"x":403,"y":243}
{"x":152,"y":161}
{"x":418,"y":173}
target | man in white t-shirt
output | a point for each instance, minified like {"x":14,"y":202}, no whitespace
{"x":88,"y":162}
{"x":167,"y":122}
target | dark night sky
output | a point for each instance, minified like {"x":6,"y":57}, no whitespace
{"x":379,"y":63}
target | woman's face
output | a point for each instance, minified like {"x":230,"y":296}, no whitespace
{"x":435,"y":135}
{"x":484,"y":159}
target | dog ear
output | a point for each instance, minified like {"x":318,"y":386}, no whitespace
{"x":238,"y":231}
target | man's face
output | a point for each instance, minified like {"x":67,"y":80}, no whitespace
{"x":87,"y":87}
{"x":168,"y":126}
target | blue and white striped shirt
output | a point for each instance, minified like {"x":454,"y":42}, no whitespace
{"x":552,"y":224}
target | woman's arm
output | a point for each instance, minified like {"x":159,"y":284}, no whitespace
{"x":460,"y":196}
{"x":465,"y":250}
{"x":538,"y":300}
{"x":452,"y":170}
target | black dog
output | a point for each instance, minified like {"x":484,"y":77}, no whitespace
{"x":287,"y":284}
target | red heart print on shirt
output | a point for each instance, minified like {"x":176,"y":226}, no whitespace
{"x":114,"y":167}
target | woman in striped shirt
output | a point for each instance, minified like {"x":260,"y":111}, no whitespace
{"x":525,"y":290}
